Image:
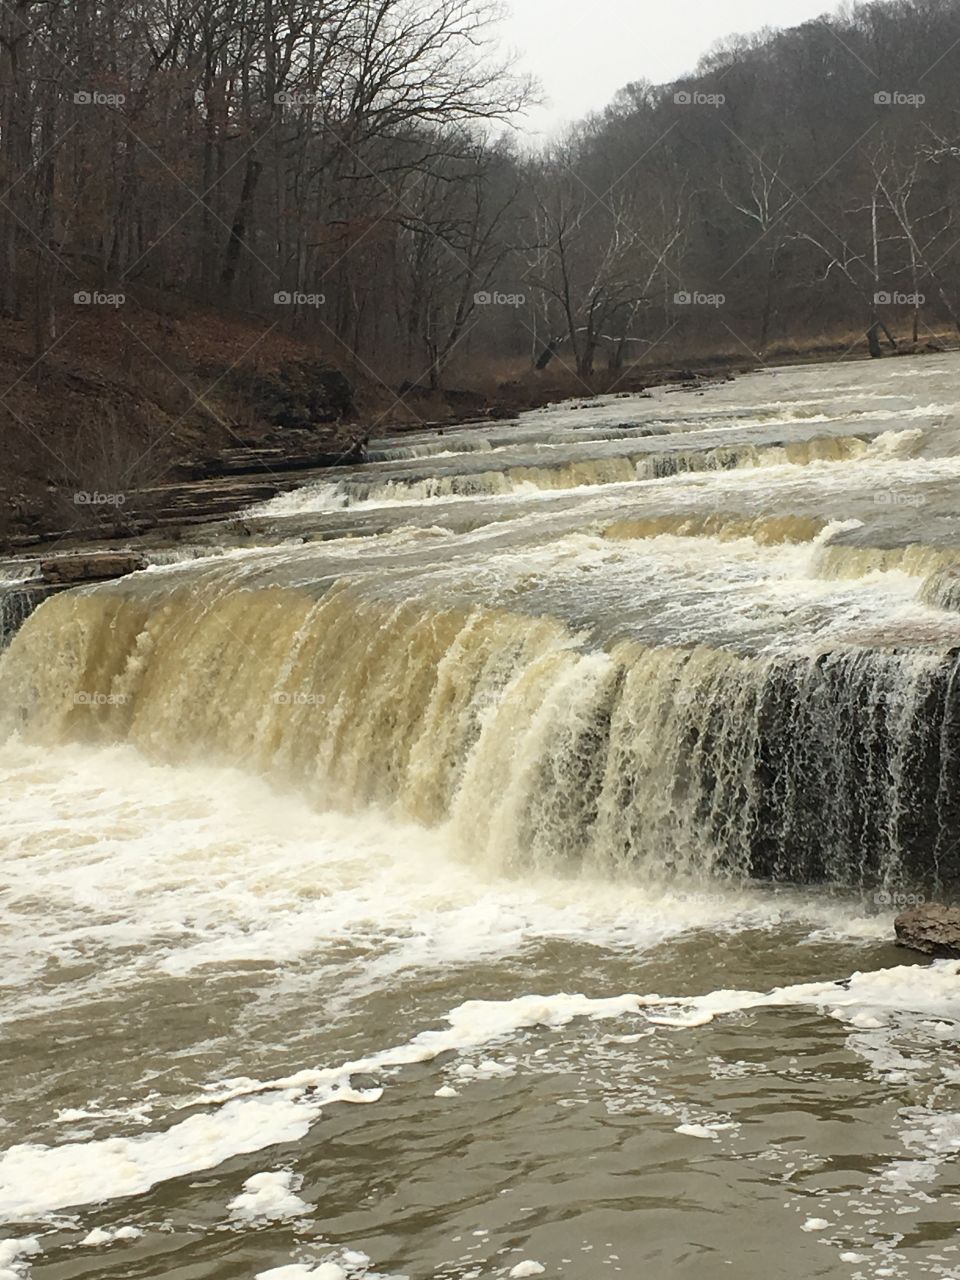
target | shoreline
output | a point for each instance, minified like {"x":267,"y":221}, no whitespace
{"x":216,"y":488}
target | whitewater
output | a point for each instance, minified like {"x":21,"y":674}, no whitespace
{"x":481,"y":862}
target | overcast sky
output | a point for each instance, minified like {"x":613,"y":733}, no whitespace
{"x":582,"y":51}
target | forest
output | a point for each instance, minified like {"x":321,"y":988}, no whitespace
{"x":351,"y":170}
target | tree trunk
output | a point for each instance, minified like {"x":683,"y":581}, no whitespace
{"x":241,"y":218}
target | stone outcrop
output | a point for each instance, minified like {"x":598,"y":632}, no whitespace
{"x":92,"y":567}
{"x":930,"y":928}
{"x":274,"y":456}
{"x":18,"y":600}
{"x":298,"y":394}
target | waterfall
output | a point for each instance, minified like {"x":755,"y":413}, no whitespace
{"x":727,"y":457}
{"x":941,"y":588}
{"x":532,"y":745}
{"x":17,"y":601}
{"x":766,"y":530}
{"x":510,"y":478}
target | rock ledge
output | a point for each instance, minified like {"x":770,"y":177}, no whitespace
{"x":930,"y":928}
{"x":90,"y":567}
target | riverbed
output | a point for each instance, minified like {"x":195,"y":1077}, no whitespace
{"x":481,"y":863}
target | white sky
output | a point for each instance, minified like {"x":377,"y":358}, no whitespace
{"x":583,"y":51}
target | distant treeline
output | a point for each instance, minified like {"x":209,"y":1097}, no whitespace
{"x":343,"y":166}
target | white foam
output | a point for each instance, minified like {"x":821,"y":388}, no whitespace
{"x":262,"y":876}
{"x":269,"y":1196}
{"x":308,"y":499}
{"x":107,"y":1235}
{"x":348,"y":1263}
{"x":932,"y":989}
{"x":251,"y":1114}
{"x":35,"y":1180}
{"x":896,"y":444}
{"x":15,"y":1254}
{"x":486,"y":1070}
{"x":702,"y":1130}
{"x":815,"y":1224}
{"x":303,"y":1271}
{"x":471,"y":1024}
{"x":527,"y":1268}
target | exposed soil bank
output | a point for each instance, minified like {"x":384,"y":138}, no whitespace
{"x":157,"y":420}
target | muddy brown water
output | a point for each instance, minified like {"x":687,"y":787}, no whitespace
{"x":486,"y":869}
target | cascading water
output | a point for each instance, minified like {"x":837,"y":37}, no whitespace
{"x":312,"y":829}
{"x":824,"y":761}
{"x":942,"y":588}
{"x":15,"y":608}
{"x":620,"y":465}
{"x":18,"y":599}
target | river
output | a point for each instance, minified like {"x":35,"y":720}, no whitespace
{"x":481,"y":863}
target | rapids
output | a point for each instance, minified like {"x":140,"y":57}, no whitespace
{"x":483,"y":859}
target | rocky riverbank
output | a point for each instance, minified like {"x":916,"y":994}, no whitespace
{"x":299,"y":417}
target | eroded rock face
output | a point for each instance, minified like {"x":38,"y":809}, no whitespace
{"x":93,"y":567}
{"x":931,"y":928}
{"x":299,"y":394}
